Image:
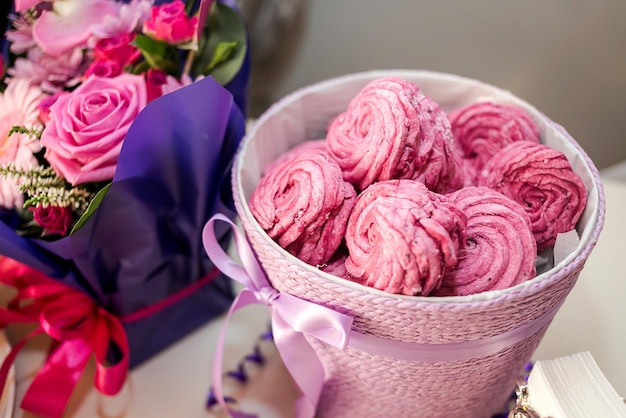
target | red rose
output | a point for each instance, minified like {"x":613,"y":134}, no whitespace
{"x":53,"y":219}
{"x":155,"y":79}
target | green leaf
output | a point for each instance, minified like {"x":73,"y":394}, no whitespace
{"x":93,"y":205}
{"x":140,"y":68}
{"x":31,"y":132}
{"x":150,"y":46}
{"x":224,"y":27}
{"x":158,"y":54}
{"x":223,"y":52}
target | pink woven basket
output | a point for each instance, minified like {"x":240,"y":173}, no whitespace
{"x":361,"y":384}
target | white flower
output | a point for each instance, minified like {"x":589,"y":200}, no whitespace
{"x":18,"y":107}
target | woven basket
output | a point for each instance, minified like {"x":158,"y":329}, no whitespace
{"x":361,"y":384}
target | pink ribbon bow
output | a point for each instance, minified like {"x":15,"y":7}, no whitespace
{"x":292,"y":319}
{"x":78,"y":327}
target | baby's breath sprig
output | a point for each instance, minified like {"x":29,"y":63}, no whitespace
{"x":43,"y":186}
{"x":75,"y":198}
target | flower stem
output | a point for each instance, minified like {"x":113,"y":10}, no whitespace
{"x":188,"y":62}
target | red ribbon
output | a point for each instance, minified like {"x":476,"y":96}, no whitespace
{"x":78,"y":327}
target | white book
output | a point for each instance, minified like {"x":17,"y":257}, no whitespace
{"x":569,"y":387}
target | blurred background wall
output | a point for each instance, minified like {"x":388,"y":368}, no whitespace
{"x":566,"y":57}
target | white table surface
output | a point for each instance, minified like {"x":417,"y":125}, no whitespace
{"x":175,"y":382}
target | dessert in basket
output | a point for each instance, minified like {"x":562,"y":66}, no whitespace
{"x":436,"y":202}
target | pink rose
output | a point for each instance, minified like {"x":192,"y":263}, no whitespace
{"x":117,"y":49}
{"x":169,"y":22}
{"x":53,"y":219}
{"x":87,"y":126}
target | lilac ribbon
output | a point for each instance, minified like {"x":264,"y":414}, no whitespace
{"x":293,"y":317}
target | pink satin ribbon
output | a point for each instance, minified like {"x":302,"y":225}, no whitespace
{"x":292,"y":318}
{"x":78,"y":327}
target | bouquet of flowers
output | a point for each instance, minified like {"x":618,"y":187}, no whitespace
{"x":118,"y":124}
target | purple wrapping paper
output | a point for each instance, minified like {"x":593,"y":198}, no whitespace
{"x":144,"y":243}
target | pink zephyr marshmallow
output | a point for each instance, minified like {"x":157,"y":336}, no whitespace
{"x":543,"y":182}
{"x":500,"y":249}
{"x":402,"y":237}
{"x":303,"y":204}
{"x":391,"y":130}
{"x":484,"y":128}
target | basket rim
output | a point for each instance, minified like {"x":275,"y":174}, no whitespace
{"x":588,"y":238}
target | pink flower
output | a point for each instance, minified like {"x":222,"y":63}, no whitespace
{"x":117,"y":49}
{"x":49,"y":72}
{"x":53,"y":219}
{"x":173,"y":84}
{"x":129,"y":18}
{"x":18,"y":107}
{"x":67,"y":26}
{"x":169,"y":22}
{"x":160,"y":83}
{"x":103,"y":68}
{"x":21,"y":37}
{"x":87,"y":126}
